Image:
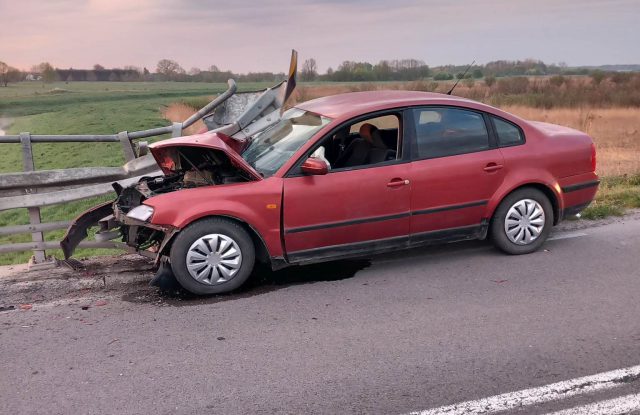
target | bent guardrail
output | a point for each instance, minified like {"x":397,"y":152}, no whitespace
{"x":32,"y":189}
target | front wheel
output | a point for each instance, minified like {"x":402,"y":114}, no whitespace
{"x":212,"y":256}
{"x":522,"y":222}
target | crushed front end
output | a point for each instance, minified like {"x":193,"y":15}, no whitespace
{"x":187,"y":163}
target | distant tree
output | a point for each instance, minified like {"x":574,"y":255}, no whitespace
{"x":309,"y":70}
{"x":114,"y":77}
{"x":47,"y":72}
{"x":145,"y":71}
{"x":460,"y":75}
{"x":477,"y":73}
{"x":213,"y":68}
{"x":194,"y":71}
{"x":98,"y":67}
{"x":169,"y":69}
{"x":4,"y":73}
{"x":15,"y":75}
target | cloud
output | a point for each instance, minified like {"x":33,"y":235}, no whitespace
{"x":245,"y":35}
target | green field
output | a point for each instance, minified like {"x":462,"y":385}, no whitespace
{"x":84,"y":108}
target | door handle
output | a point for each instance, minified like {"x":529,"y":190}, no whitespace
{"x":491,"y":167}
{"x":398,"y":183}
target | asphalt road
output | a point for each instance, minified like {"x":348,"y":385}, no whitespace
{"x":407,"y":332}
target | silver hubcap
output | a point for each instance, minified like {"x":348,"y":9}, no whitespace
{"x":214,"y":259}
{"x":524,"y":222}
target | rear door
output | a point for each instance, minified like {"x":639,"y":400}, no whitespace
{"x":456,"y":167}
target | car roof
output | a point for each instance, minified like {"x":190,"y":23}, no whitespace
{"x":337,"y":106}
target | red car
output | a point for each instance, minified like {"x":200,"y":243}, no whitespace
{"x":352,"y":175}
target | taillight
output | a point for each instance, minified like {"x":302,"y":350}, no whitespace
{"x":593,"y":157}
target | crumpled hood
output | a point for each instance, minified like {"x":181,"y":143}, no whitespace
{"x":165,"y":152}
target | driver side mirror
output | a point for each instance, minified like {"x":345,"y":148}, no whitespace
{"x":314,"y":167}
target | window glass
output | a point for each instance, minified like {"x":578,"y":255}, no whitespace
{"x":508,"y":134}
{"x":448,"y":131}
{"x":369,"y":142}
{"x":269,"y":150}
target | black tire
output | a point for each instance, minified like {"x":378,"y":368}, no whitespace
{"x":498,"y":233}
{"x":203,"y":227}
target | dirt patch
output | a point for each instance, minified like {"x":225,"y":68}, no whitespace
{"x":126,"y":278}
{"x":100,"y":277}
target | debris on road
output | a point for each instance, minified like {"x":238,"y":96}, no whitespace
{"x":26,"y":306}
{"x":100,"y":303}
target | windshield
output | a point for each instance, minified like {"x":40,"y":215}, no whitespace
{"x":269,"y":150}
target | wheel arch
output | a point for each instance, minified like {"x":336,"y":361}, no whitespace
{"x":547,"y":190}
{"x":262,"y":252}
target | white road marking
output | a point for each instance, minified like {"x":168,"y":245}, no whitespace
{"x":617,"y":406}
{"x":566,"y":235}
{"x":539,"y":395}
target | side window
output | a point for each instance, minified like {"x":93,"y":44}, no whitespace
{"x":363,"y":143}
{"x":508,"y":134}
{"x":444,"y":132}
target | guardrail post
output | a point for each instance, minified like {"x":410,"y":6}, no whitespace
{"x":39,"y":256}
{"x":176,"y":129}
{"x":127,"y":146}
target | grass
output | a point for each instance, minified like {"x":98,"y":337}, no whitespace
{"x":109,"y":107}
{"x":615,"y":195}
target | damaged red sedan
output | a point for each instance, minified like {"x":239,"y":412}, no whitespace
{"x":351,"y":175}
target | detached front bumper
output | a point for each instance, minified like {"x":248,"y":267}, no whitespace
{"x":145,"y":238}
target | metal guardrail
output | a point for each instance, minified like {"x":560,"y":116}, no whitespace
{"x":32,"y":189}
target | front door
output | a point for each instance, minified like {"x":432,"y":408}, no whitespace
{"x":346,"y":213}
{"x":362,"y":205}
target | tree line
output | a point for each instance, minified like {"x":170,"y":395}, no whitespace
{"x":347,"y":71}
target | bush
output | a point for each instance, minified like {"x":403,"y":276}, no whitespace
{"x":557,"y":80}
{"x":489,"y":80}
{"x":443,"y":76}
{"x":597,"y":77}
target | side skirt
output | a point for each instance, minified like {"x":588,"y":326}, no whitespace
{"x":359,"y":249}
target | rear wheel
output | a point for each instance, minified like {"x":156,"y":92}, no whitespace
{"x":522,"y":222}
{"x":212,"y":256}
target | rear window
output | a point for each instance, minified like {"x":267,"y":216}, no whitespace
{"x":508,"y":134}
{"x":444,"y":132}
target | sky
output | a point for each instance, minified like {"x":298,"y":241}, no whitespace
{"x":245,"y":36}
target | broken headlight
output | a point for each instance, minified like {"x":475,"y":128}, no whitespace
{"x":142,"y":213}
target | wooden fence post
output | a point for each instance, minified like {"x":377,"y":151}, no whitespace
{"x":39,"y":255}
